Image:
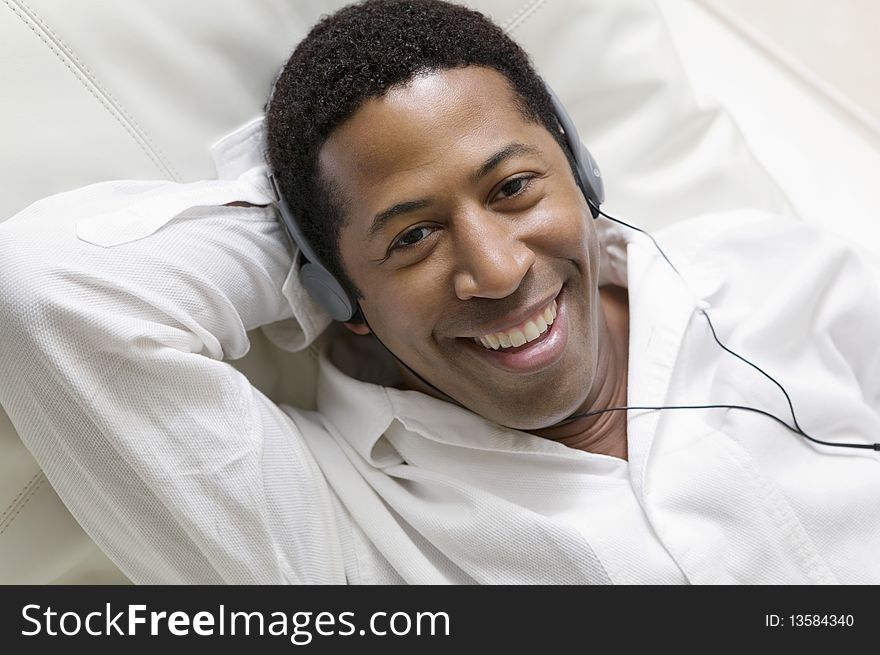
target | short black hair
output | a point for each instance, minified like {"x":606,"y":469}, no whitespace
{"x":360,"y":52}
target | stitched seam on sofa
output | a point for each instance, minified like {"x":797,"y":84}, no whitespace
{"x":784,"y":59}
{"x":514,"y":22}
{"x":21,"y":493}
{"x":70,"y":61}
{"x":5,"y":524}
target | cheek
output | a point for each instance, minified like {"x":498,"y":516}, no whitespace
{"x":568,"y":225}
{"x":402,"y":310}
{"x":582,"y":240}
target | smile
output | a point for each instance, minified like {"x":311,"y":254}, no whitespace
{"x":525,"y":349}
{"x":527,"y":331}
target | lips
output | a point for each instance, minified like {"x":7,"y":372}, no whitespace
{"x":534,"y":355}
{"x":527,"y":331}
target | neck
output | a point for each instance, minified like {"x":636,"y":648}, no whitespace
{"x":605,"y":433}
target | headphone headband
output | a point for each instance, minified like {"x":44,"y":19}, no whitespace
{"x":329,"y":293}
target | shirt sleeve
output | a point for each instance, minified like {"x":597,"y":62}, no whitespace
{"x":113,"y":376}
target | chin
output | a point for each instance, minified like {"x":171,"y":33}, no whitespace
{"x":533,"y":421}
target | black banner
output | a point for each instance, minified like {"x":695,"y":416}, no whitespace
{"x":430,"y":619}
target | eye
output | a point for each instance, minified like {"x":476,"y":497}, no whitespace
{"x":515,"y":186}
{"x":412,"y":237}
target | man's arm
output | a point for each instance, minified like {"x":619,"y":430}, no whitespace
{"x":112,"y":374}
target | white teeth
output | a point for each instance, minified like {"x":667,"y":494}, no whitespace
{"x":517,"y":338}
{"x":531,"y":330}
{"x":541,"y":324}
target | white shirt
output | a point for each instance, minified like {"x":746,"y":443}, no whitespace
{"x":120,"y":301}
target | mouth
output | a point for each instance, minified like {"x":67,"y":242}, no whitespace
{"x":531,"y":346}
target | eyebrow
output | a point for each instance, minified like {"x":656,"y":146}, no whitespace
{"x":510,"y":150}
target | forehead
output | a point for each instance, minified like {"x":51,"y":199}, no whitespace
{"x":435,"y":123}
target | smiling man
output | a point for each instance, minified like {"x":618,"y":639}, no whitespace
{"x":477,"y":256}
{"x":433,"y":176}
{"x":421,"y":155}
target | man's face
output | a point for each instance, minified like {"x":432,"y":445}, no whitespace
{"x":463,"y":220}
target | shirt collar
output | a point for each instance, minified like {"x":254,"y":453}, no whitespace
{"x":359,"y":409}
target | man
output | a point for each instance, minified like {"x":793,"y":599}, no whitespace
{"x":420,"y":152}
{"x":459,"y":234}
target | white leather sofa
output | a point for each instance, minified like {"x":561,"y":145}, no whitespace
{"x":95,"y":90}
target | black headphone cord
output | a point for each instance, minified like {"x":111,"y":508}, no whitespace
{"x":796,"y":429}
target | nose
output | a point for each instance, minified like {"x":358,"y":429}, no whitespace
{"x":491,"y":257}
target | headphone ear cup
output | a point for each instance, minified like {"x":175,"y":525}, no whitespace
{"x":317,"y":280}
{"x":589,"y":177}
{"x":589,"y":170}
{"x":327,"y":292}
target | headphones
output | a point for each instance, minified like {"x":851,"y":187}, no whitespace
{"x":327,"y":291}
{"x":331,"y":295}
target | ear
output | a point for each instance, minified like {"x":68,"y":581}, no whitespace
{"x":358,"y":328}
